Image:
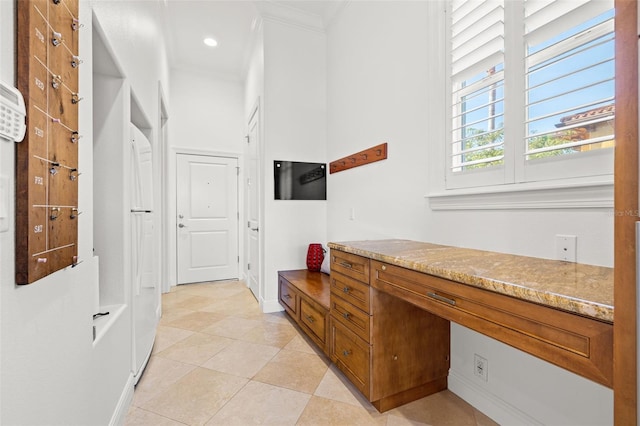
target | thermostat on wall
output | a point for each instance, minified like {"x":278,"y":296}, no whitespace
{"x":12,"y":113}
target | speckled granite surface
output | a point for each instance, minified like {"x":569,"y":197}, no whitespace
{"x":573,"y":287}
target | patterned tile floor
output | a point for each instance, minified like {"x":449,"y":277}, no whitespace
{"x":218,"y":360}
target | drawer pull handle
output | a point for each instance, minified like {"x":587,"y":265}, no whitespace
{"x":346,"y":352}
{"x":442,"y":298}
{"x":346,"y":315}
{"x":346,"y":289}
{"x":309,"y":318}
{"x":384,"y":267}
{"x":346,"y":264}
{"x":287,"y":296}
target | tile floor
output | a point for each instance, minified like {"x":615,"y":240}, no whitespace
{"x":218,"y":360}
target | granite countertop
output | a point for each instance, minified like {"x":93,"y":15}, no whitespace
{"x":582,"y":289}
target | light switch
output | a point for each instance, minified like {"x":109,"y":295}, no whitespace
{"x":4,"y":203}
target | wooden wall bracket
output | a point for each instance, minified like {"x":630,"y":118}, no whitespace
{"x":361,"y":158}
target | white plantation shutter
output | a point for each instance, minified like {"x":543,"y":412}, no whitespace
{"x":570,"y":76}
{"x":477,"y":37}
{"x":547,"y":64}
{"x":477,"y":79}
{"x":544,"y":18}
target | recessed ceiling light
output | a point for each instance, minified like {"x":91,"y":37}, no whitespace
{"x":210,"y":42}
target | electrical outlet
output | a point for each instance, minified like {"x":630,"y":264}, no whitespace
{"x":481,"y":367}
{"x":566,"y":247}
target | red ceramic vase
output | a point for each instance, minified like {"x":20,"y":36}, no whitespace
{"x":315,"y":256}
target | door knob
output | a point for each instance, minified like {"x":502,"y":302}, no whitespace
{"x":181,"y":216}
{"x":182,"y":225}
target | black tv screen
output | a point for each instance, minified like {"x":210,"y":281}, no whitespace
{"x":300,"y":181}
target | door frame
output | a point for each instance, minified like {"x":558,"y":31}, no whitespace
{"x":173,"y":206}
{"x":255,"y":113}
{"x":626,"y":203}
{"x":163,"y":167}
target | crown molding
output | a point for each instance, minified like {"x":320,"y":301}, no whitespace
{"x":276,"y":12}
{"x":335,"y":9}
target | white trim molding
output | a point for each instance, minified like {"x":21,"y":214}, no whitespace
{"x":124,"y":403}
{"x":205,"y":152}
{"x":270,"y":306}
{"x":289,"y":15}
{"x":491,"y":405}
{"x":597,"y":195}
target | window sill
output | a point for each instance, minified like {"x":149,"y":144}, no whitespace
{"x":577,"y":196}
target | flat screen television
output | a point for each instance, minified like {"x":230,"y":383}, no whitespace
{"x":296,"y":180}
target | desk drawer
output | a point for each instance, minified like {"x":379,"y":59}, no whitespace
{"x":351,"y":354}
{"x":579,"y":344}
{"x":351,"y":265}
{"x":314,"y":318}
{"x":351,"y":290}
{"x":288,"y":297}
{"x":353,"y":318}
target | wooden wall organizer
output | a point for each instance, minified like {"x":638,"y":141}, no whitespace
{"x":361,"y":158}
{"x":47,"y":159}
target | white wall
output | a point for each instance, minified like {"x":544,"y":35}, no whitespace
{"x":46,"y":329}
{"x":254,"y":79}
{"x":294,"y":128}
{"x":207,"y":112}
{"x":207,"y":117}
{"x":51,"y":372}
{"x":379,"y":57}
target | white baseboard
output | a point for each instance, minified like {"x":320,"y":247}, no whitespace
{"x":269,"y":306}
{"x":120,"y":413}
{"x":491,"y":405}
{"x":138,"y":374}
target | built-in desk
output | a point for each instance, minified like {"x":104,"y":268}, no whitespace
{"x":558,"y":311}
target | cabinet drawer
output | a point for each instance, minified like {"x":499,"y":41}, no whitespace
{"x":314,"y":318}
{"x":353,"y":318}
{"x":351,"y":265}
{"x":351,"y":290}
{"x":351,"y":354}
{"x":579,"y":344}
{"x":288,"y":297}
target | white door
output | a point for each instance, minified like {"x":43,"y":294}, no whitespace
{"x":253,"y":207}
{"x":207,"y":222}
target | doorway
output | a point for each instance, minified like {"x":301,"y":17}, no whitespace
{"x":207,"y":218}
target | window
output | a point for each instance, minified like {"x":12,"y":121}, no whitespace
{"x":532,"y":91}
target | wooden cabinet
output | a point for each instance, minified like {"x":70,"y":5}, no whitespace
{"x":579,"y":344}
{"x":353,"y":291}
{"x":288,"y":296}
{"x":351,"y":265}
{"x":389,"y":329}
{"x":304,"y":295}
{"x":351,"y":317}
{"x":392,"y":351}
{"x":313,"y":319}
{"x":351,"y":354}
